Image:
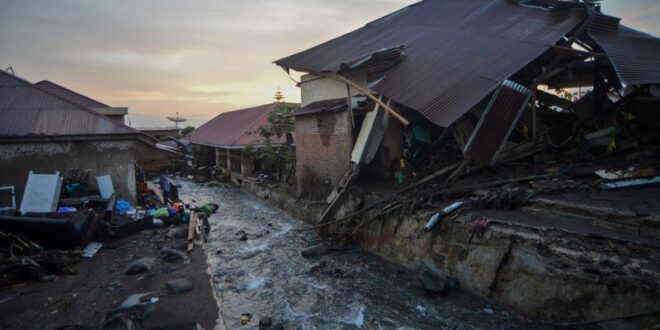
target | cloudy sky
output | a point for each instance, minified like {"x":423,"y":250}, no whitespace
{"x":199,"y":57}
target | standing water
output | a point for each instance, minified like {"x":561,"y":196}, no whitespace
{"x":258,"y":270}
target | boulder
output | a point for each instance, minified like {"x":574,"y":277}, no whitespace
{"x":315,"y":251}
{"x":179,"y":285}
{"x":178,"y":232}
{"x":139,"y":266}
{"x":432,"y":279}
{"x":173,"y":255}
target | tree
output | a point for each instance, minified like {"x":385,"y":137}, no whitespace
{"x":280,"y":126}
{"x":279,"y":96}
{"x":187,"y":130}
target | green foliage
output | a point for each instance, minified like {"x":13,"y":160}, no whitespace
{"x":187,"y":130}
{"x":280,"y":125}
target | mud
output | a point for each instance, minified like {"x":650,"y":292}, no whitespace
{"x":257,"y":267}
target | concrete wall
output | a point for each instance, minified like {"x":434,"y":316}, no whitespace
{"x":544,"y":273}
{"x":323,"y":152}
{"x":153,"y":160}
{"x":314,"y":88}
{"x":98,"y":157}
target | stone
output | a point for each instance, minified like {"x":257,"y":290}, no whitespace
{"x":315,"y":251}
{"x":266,"y":323}
{"x":173,"y":255}
{"x":178,"y":232}
{"x":139,"y":266}
{"x":432,"y":279}
{"x":179,"y":285}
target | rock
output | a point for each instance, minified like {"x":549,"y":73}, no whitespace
{"x":266,"y":323}
{"x":317,"y":266}
{"x":432,"y":279}
{"x":139,"y":266}
{"x":315,"y":251}
{"x":179,"y":285}
{"x":243,"y":237}
{"x":173,"y":255}
{"x":178,"y":232}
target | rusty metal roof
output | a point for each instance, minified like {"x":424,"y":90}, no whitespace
{"x":455,"y":51}
{"x":69,"y":95}
{"x":29,"y":111}
{"x":323,"y":106}
{"x":635,"y":55}
{"x":496,"y":124}
{"x":234,"y":129}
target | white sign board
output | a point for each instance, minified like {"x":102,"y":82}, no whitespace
{"x":105,"y":186}
{"x":42,"y":192}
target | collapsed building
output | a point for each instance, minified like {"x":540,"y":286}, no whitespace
{"x":222,"y":141}
{"x":45,"y":130}
{"x":526,"y":116}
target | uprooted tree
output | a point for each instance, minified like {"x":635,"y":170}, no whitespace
{"x":276,"y":151}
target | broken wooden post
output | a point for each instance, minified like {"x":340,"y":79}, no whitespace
{"x":368,"y":94}
{"x":191,"y":230}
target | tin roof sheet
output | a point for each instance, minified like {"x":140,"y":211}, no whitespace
{"x":235,"y":128}
{"x":455,"y":51}
{"x":635,"y":55}
{"x":70,"y":95}
{"x":28,"y":110}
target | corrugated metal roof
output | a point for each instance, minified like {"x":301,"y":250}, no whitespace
{"x":456,"y":51}
{"x":27,"y":110}
{"x":496,"y":124}
{"x":332,"y":105}
{"x":235,"y":128}
{"x":69,"y":95}
{"x":635,"y":55}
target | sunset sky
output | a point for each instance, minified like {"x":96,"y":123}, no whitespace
{"x":199,"y":57}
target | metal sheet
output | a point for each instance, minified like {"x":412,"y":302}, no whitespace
{"x":69,"y":95}
{"x":235,"y":128}
{"x":635,"y":55}
{"x":27,"y":110}
{"x":497,"y":122}
{"x":455,"y":52}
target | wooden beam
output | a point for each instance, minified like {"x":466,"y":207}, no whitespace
{"x":368,"y":94}
{"x":577,"y":51}
{"x":192,"y":223}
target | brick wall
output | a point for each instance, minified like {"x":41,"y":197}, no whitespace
{"x":323,"y":152}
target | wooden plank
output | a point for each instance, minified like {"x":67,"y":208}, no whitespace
{"x":368,"y":94}
{"x":191,"y":230}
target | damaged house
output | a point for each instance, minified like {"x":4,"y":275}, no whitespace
{"x":46,"y":128}
{"x":222,"y":141}
{"x":491,"y":139}
{"x":479,"y":73}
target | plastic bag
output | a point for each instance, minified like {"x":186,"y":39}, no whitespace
{"x":123,"y":206}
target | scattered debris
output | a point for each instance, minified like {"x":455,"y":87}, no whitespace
{"x":439,"y":215}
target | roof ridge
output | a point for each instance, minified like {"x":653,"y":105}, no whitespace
{"x":72,"y":91}
{"x":130,"y":129}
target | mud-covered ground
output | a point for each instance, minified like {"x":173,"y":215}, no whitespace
{"x":258,"y":270}
{"x":82,"y":301}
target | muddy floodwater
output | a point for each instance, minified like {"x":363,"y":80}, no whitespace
{"x":255,"y":261}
